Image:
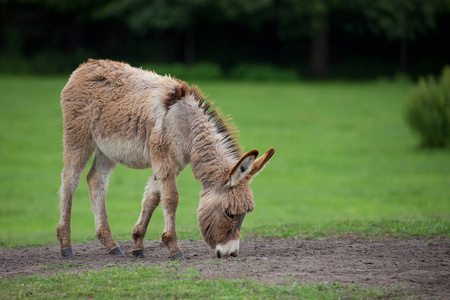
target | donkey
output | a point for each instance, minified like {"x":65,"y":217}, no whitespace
{"x":140,"y":119}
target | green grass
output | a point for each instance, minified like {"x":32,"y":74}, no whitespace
{"x":430,"y":229}
{"x":65,"y":266}
{"x":170,"y":281}
{"x":346,"y":164}
{"x":345,"y":158}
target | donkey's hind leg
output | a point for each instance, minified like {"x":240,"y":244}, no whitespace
{"x":152,"y":198}
{"x":97,"y":179}
{"x":74,"y":164}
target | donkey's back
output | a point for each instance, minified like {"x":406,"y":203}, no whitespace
{"x":114,"y":107}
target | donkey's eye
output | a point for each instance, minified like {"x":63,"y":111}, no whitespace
{"x":229,"y":215}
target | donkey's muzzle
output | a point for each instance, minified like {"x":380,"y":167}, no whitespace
{"x":231,"y":248}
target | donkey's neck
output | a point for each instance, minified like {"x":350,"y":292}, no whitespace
{"x":210,"y":153}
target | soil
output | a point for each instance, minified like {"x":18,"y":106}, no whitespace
{"x":417,"y":266}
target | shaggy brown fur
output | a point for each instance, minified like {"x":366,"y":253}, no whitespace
{"x":140,"y":119}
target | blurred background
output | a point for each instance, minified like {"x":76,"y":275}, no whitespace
{"x":356,"y":39}
{"x":330,"y":84}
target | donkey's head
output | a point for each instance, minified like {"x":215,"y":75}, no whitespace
{"x":223,"y":206}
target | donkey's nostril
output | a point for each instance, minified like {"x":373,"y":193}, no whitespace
{"x":219,"y":255}
{"x":234,"y":254}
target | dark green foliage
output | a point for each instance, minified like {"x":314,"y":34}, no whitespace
{"x":200,"y":71}
{"x":44,"y":36}
{"x":48,"y":61}
{"x":428,"y":110}
{"x":211,"y":71}
{"x":262,"y":72}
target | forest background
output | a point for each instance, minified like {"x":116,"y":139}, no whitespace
{"x":253,"y":39}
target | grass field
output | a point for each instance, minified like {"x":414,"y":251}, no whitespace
{"x":170,"y":282}
{"x":343,"y":153}
{"x":345,"y":163}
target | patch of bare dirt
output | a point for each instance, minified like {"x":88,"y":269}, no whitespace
{"x":422,"y":268}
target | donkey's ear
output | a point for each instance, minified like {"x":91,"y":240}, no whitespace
{"x":242,"y":167}
{"x":259,"y":164}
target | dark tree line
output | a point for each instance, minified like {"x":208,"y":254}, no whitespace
{"x":318,"y":36}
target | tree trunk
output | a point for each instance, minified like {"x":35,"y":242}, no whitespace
{"x":166,"y":45}
{"x":189,"y":47}
{"x":319,"y":51}
{"x":403,"y":64}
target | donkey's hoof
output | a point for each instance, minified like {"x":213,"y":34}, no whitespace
{"x":116,"y":250}
{"x":138,"y":253}
{"x":178,"y":257}
{"x":67,"y":252}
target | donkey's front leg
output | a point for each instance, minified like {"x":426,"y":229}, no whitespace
{"x":151,"y":200}
{"x":169,"y":201}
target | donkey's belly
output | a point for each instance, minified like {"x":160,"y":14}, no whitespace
{"x":126,"y":152}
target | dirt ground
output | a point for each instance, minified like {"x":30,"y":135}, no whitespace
{"x":419,"y":266}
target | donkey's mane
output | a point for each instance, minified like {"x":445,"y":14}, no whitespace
{"x":223,"y":124}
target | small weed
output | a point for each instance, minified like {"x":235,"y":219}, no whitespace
{"x":213,"y":262}
{"x":230,"y":258}
{"x":110,"y":265}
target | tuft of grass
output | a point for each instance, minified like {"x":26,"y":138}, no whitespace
{"x":427,"y":110}
{"x":65,"y":266}
{"x":212,"y":261}
{"x":111,"y":265}
{"x":169,"y":281}
{"x":60,"y":267}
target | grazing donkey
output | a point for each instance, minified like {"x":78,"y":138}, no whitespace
{"x":140,"y":119}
